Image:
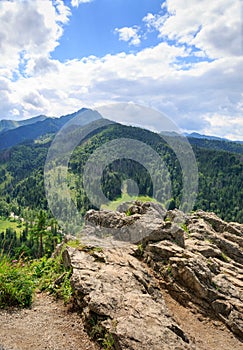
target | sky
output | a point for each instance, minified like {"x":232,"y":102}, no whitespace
{"x":183,"y":58}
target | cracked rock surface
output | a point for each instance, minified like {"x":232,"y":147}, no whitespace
{"x":197,"y":258}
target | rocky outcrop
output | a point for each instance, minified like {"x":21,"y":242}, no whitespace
{"x":197,"y":258}
{"x":121,"y":300}
{"x":207,"y":272}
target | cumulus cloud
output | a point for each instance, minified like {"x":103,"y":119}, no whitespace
{"x":29,"y":29}
{"x":76,"y":3}
{"x":34,"y":99}
{"x":215,"y":27}
{"x":189,"y":97}
{"x":225,"y":126}
{"x":41,"y":65}
{"x":205,"y":95}
{"x":129,"y":34}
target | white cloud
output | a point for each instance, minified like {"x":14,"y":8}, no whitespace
{"x":202,"y":96}
{"x":76,"y":3}
{"x":34,"y":99}
{"x":190,"y":97}
{"x":29,"y":30}
{"x":154,"y":21}
{"x":223,"y":125}
{"x":129,"y":34}
{"x":215,"y":27}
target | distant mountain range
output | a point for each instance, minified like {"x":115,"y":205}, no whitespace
{"x":15,"y":132}
{"x":209,"y":142}
{"x":6,"y":124}
{"x":207,"y":137}
{"x":216,"y":144}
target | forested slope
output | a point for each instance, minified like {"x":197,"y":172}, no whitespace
{"x":220,"y":174}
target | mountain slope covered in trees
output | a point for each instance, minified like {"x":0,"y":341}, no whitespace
{"x":220,"y":174}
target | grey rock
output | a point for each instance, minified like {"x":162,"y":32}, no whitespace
{"x":120,"y":292}
{"x":197,"y":258}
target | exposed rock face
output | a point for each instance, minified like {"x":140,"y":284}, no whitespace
{"x":140,"y":221}
{"x":198,"y":258}
{"x":119,"y":295}
{"x":208,"y":270}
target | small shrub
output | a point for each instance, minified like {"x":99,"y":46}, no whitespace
{"x":167,"y":219}
{"x":16,"y":284}
{"x":128,"y":212}
{"x":76,"y":244}
{"x":100,"y":334}
{"x":108,"y":342}
{"x":140,"y":250}
{"x":168,"y":270}
{"x":51,"y":275}
{"x":185,"y":228}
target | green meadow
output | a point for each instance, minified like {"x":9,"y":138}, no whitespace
{"x":126,"y":198}
{"x":10,"y":223}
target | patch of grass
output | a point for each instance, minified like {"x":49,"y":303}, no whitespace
{"x":98,"y":333}
{"x":126,"y":198}
{"x":224,"y":257}
{"x":16,"y":284}
{"x":140,"y":250}
{"x":76,"y":244}
{"x":185,"y":228}
{"x":15,"y":225}
{"x":169,"y":270}
{"x":79,"y":246}
{"x":128,"y":212}
{"x":19,"y":279}
{"x":167,"y":219}
{"x":108,"y":342}
{"x":166,"y":270}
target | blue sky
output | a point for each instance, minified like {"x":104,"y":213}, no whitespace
{"x":182,"y":58}
{"x":91,"y":28}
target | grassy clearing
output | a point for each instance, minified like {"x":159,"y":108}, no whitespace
{"x":126,"y":198}
{"x":7,"y":223}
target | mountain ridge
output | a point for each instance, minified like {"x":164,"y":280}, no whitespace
{"x":208,"y":137}
{"x":8,"y":124}
{"x":35,"y":130}
{"x":15,"y":132}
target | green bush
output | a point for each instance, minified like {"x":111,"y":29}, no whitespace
{"x":19,"y":279}
{"x":16,"y":284}
{"x":50,"y":275}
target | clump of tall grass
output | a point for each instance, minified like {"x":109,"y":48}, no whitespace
{"x":20,"y":278}
{"x":16,"y":283}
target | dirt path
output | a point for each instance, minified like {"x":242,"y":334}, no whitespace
{"x":48,"y":325}
{"x":206,"y":333}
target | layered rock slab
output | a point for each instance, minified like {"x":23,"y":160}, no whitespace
{"x":119,"y":295}
{"x":207,"y":271}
